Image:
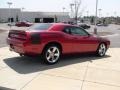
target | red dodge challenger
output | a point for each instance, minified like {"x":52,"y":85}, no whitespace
{"x":23,"y":24}
{"x":51,"y":40}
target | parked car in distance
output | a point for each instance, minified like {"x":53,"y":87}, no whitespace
{"x":101,"y":24}
{"x":51,"y":40}
{"x":23,"y":24}
{"x":84,"y":26}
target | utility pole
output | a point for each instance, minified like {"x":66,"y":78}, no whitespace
{"x":100,"y":13}
{"x":87,"y":13}
{"x":76,"y":5}
{"x":63,"y":9}
{"x":95,"y":28}
{"x":22,"y":19}
{"x":9,"y":4}
{"x":72,"y":11}
{"x":87,"y":16}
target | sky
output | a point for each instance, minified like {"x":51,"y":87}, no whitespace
{"x":109,"y":7}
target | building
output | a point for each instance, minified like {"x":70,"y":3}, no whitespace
{"x":15,"y":15}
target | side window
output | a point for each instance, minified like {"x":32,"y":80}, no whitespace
{"x":78,"y":31}
{"x":67,"y":30}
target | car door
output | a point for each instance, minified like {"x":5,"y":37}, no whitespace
{"x":83,"y":42}
{"x":70,"y":41}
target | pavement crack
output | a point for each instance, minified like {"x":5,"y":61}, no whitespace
{"x":103,"y":83}
{"x":84,"y":76}
{"x":61,"y":76}
{"x":106,"y":69}
{"x":30,"y":81}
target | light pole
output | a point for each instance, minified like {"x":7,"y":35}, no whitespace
{"x":87,"y":13}
{"x":22,"y":13}
{"x":75,"y":12}
{"x":63,"y":14}
{"x":63,"y":9}
{"x":115,"y":14}
{"x":9,"y":4}
{"x":71,"y":6}
{"x":115,"y":17}
{"x":100,"y":12}
{"x":96,"y":12}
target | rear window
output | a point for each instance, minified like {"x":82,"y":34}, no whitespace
{"x":41,"y":26}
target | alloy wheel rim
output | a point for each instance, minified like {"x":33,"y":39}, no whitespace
{"x":52,"y":54}
{"x":102,"y":49}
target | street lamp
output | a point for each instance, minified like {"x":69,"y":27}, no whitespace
{"x":100,"y":13}
{"x":63,"y":9}
{"x":71,"y":6}
{"x":63,"y":15}
{"x":115,"y":14}
{"x":87,"y":16}
{"x":87,"y":13}
{"x":75,"y":9}
{"x":22,"y":13}
{"x":9,"y":4}
{"x":96,"y":12}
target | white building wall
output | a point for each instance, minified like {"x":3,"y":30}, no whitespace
{"x":9,"y":13}
{"x":30,"y":16}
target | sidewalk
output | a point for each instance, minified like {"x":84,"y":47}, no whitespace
{"x":78,"y":73}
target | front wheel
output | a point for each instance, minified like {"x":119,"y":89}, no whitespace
{"x":51,"y":54}
{"x":101,"y":50}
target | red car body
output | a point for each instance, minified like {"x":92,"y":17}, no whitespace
{"x":34,"y":41}
{"x":23,"y":24}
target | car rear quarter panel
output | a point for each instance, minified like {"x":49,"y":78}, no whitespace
{"x":59,"y":37}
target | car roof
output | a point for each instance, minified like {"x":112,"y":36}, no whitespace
{"x":59,"y":26}
{"x":63,"y":24}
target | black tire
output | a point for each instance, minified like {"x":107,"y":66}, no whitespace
{"x":51,"y":57}
{"x":101,"y":51}
{"x":21,"y":55}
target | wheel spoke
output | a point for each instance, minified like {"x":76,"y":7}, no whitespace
{"x":100,"y":50}
{"x":56,"y":54}
{"x":49,"y":51}
{"x":53,"y":59}
{"x":103,"y":46}
{"x":54,"y":49}
{"x":48,"y":58}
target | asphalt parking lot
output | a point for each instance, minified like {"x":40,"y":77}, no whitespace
{"x":78,"y":72}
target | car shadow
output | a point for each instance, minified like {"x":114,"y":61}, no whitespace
{"x":4,"y":88}
{"x":25,"y":65}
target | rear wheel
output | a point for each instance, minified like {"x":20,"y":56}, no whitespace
{"x":21,"y":54}
{"x":101,"y":50}
{"x":51,"y":54}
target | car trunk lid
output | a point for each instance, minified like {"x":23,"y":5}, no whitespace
{"x":18,"y":35}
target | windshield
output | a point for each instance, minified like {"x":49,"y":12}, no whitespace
{"x":41,"y":26}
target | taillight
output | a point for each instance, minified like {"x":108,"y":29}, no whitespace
{"x":35,"y":38}
{"x":17,"y":35}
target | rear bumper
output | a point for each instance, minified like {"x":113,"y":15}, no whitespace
{"x":23,"y":47}
{"x":16,"y":46}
